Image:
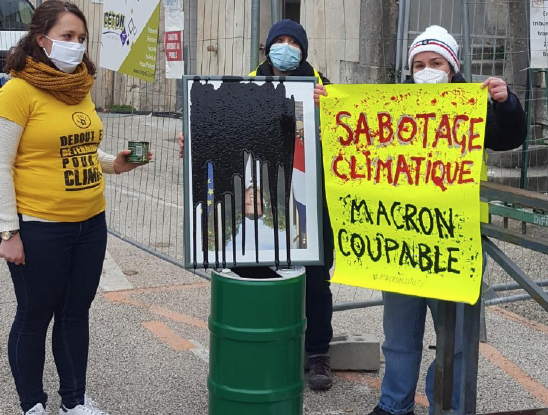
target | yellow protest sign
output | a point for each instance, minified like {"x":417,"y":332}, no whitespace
{"x":402,"y":174}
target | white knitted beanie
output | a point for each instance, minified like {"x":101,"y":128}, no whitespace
{"x":436,"y":39}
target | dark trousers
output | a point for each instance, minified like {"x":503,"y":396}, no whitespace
{"x":319,"y":301}
{"x":63,"y":266}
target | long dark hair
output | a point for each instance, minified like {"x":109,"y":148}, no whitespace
{"x":44,"y":18}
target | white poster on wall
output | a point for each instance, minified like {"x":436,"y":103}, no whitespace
{"x":130,"y":37}
{"x":539,"y":33}
{"x":173,"y":39}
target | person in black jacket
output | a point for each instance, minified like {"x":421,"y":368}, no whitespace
{"x":433,"y":59}
{"x":286,"y":51}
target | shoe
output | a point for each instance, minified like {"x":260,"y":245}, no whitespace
{"x":88,"y":408}
{"x":319,"y":377}
{"x":379,"y":411}
{"x":37,"y":409}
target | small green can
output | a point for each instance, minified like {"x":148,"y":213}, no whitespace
{"x":139,"y":152}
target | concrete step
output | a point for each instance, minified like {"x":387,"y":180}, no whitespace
{"x":537,"y":177}
{"x":489,"y":67}
{"x":488,"y":52}
{"x":513,"y":159}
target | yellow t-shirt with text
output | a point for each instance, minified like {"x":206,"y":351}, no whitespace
{"x":57,"y":174}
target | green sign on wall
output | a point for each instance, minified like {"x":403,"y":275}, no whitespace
{"x":130,"y":37}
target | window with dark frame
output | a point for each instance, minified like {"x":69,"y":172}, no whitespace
{"x":292,"y":10}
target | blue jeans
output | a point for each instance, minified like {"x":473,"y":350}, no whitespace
{"x":63,"y":266}
{"x":403,"y":322}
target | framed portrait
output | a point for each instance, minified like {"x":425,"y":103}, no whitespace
{"x":252,"y":172}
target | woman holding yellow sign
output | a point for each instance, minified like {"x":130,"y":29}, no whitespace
{"x":433,"y":59}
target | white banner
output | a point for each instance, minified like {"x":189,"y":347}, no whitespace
{"x":539,"y":33}
{"x":173,"y":39}
{"x":130,"y":37}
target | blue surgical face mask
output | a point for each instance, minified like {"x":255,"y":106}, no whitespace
{"x":284,"y":56}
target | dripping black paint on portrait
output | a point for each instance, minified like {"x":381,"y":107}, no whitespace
{"x":227,"y":122}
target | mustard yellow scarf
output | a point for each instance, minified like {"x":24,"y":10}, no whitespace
{"x":70,"y":88}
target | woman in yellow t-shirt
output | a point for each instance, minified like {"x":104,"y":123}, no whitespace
{"x":52,"y":206}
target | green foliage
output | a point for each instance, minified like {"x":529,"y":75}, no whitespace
{"x":125,"y":109}
{"x":392,"y":76}
{"x":493,"y":52}
{"x":228,"y":228}
{"x":268,"y":217}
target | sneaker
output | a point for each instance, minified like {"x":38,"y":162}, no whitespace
{"x":319,"y":377}
{"x":378,"y":411}
{"x":88,"y":408}
{"x":37,"y":409}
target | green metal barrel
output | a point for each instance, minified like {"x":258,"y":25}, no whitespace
{"x":257,"y":344}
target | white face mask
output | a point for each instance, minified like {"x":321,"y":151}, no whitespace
{"x":66,"y":55}
{"x":431,"y":76}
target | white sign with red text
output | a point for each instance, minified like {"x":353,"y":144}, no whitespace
{"x":173,"y":39}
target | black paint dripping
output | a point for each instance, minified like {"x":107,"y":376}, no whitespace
{"x":227,"y":122}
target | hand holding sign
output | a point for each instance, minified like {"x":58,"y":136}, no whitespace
{"x":402,"y":170}
{"x":497,"y":87}
{"x":319,"y":89}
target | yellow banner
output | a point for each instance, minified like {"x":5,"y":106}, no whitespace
{"x":402,"y":171}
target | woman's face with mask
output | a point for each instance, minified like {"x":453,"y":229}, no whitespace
{"x":65,"y":43}
{"x":431,"y":67}
{"x":69,"y":28}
